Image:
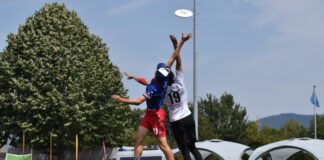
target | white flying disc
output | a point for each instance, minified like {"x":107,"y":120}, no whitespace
{"x":183,"y":13}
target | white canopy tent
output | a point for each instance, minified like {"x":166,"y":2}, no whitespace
{"x":282,"y":150}
{"x":222,"y":149}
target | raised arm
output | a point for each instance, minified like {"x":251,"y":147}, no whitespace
{"x":178,"y":58}
{"x":140,"y":80}
{"x":174,"y":41}
{"x":178,"y":48}
{"x":179,"y":64}
{"x":137,"y":101}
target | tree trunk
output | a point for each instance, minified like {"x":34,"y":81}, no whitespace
{"x":60,"y":150}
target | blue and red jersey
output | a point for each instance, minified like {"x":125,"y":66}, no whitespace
{"x":154,"y":95}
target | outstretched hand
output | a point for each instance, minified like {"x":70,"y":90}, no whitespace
{"x":115,"y":97}
{"x":128,"y":75}
{"x":185,"y":38}
{"x":174,"y":41}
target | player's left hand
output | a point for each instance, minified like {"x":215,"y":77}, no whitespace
{"x":184,"y":38}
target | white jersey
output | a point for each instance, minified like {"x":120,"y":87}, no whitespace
{"x":176,"y":99}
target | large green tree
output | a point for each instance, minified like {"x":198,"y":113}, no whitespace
{"x":229,"y":119}
{"x":56,"y":77}
{"x":4,"y":85}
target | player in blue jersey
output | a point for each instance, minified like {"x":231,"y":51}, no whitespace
{"x":154,"y":117}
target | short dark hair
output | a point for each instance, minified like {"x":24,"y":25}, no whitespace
{"x":171,"y":78}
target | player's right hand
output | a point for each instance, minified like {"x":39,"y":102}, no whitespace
{"x":116,"y":97}
{"x":128,"y":75}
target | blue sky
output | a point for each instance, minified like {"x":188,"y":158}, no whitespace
{"x":266,"y":53}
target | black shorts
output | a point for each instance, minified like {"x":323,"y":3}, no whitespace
{"x":184,"y":132}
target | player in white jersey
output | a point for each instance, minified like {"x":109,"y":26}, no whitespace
{"x":182,"y":122}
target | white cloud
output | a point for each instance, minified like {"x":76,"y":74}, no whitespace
{"x":277,"y":76}
{"x":298,"y":42}
{"x":129,"y":7}
{"x":291,"y":61}
{"x":296,"y":21}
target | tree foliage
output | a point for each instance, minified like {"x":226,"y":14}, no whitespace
{"x":206,"y":128}
{"x":256,"y":136}
{"x":293,"y":129}
{"x":228,"y":119}
{"x":56,"y":77}
{"x":319,"y":127}
{"x":253,"y":137}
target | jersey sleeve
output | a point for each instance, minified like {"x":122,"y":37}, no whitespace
{"x":150,"y":92}
{"x":179,"y":80}
{"x":142,"y":81}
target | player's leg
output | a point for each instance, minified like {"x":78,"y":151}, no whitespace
{"x":165,"y":148}
{"x":195,"y":153}
{"x":159,"y":131}
{"x":142,"y":130}
{"x":140,"y":134}
{"x":191,"y":137}
{"x":179,"y":132}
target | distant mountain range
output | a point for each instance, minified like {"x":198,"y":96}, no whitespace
{"x":277,"y":121}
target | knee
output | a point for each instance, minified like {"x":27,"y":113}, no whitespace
{"x":138,"y":140}
{"x":164,"y":146}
